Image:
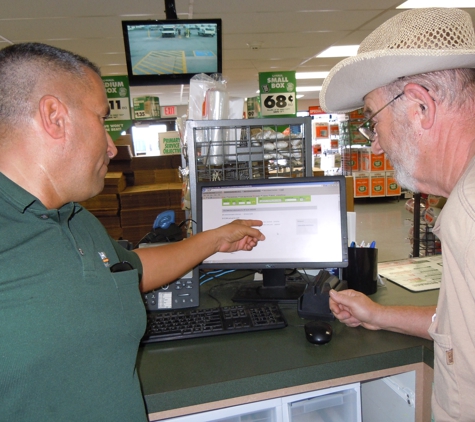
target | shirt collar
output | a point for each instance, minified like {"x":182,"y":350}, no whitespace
{"x":22,"y":200}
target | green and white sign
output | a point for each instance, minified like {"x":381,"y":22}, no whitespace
{"x":253,"y":108}
{"x":169,"y":143}
{"x":118,"y":94}
{"x":277,"y":92}
{"x":146,"y":108}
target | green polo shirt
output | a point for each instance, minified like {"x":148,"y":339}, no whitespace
{"x":69,"y":328}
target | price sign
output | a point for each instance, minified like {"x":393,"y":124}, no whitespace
{"x":278,"y":104}
{"x":146,"y":108}
{"x":278,"y":94}
{"x":253,"y":108}
{"x":119,"y":109}
{"x":117,"y":89}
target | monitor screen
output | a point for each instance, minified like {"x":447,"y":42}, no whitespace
{"x":171,"y":51}
{"x":304,"y":221}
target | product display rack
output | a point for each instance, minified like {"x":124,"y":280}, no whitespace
{"x":244,"y":149}
{"x":350,"y":141}
{"x":424,"y":241}
{"x":373,"y":174}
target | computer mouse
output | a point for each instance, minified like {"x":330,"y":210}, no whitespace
{"x":318,"y":332}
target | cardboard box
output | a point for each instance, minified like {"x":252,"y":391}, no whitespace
{"x":392,"y":186}
{"x":350,"y":202}
{"x":357,"y":114}
{"x":350,"y":160}
{"x":143,"y":216}
{"x":361,"y":184}
{"x":334,"y":129}
{"x":387,"y":164}
{"x":370,"y":161}
{"x":102,"y":204}
{"x":377,"y":184}
{"x":114,"y":182}
{"x":321,"y":130}
{"x":144,"y":196}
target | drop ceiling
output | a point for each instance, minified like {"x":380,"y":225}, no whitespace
{"x":288,"y":33}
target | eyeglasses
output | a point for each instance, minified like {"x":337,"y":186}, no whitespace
{"x":368,"y":131}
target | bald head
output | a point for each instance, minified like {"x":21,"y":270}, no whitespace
{"x":27,"y":70}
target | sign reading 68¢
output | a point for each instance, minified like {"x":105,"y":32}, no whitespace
{"x":277,"y":93}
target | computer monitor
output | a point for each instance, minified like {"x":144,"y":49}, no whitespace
{"x":305,"y":225}
{"x":163,"y":52}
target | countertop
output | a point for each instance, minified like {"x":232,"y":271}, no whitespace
{"x":184,"y":373}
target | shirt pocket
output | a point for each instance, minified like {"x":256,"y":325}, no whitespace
{"x":446,"y":390}
{"x":133,"y":308}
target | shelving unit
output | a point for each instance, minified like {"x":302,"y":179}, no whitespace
{"x":246,"y":149}
{"x":325,"y":143}
{"x":424,"y":241}
{"x":373,"y":174}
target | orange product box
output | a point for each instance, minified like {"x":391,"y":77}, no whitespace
{"x":392,"y":186}
{"x":321,"y":130}
{"x":361,"y":184}
{"x":334,"y":129}
{"x":371,"y":162}
{"x":350,"y":160}
{"x":377,"y":184}
{"x":317,"y":148}
{"x":357,"y":114}
{"x":387,"y":163}
{"x":365,"y":159}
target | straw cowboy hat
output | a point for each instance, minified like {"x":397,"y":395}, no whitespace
{"x":412,"y":42}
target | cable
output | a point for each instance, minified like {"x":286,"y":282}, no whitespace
{"x":216,"y":276}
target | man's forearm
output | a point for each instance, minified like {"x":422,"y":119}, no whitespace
{"x":412,"y":320}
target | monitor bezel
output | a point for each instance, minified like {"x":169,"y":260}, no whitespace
{"x":168,"y":79}
{"x":279,"y":265}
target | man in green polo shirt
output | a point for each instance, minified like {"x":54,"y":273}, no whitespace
{"x":70,"y":327}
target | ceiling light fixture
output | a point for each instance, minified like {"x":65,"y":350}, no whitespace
{"x":308,"y":88}
{"x":419,"y":4}
{"x":339,"y":51}
{"x":311,"y":75}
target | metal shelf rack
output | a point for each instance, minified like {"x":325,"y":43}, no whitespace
{"x":247,"y":149}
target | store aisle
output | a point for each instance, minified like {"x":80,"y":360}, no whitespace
{"x":386,"y":221}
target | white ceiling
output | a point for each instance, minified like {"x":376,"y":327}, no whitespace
{"x":291,"y":33}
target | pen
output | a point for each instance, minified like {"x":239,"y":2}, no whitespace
{"x":353,"y":245}
{"x":362,"y":244}
{"x":373,"y":244}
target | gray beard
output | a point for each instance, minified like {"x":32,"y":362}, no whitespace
{"x":404,"y":159}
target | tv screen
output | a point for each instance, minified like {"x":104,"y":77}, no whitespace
{"x":162,"y":52}
{"x":305,"y":225}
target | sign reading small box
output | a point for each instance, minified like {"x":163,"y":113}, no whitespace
{"x":169,"y":143}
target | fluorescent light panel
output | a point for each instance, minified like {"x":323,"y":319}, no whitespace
{"x":308,"y":88}
{"x":311,"y":75}
{"x":418,"y":4}
{"x":340,"y":51}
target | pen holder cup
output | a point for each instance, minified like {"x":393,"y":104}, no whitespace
{"x":362,"y":271}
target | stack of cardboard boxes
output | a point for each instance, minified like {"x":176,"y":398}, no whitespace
{"x":136,"y":190}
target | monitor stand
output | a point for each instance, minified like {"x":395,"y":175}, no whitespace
{"x":274,"y":288}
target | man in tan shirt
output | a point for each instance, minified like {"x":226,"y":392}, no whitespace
{"x":415,"y":77}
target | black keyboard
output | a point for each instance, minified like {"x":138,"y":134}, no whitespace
{"x":243,"y":318}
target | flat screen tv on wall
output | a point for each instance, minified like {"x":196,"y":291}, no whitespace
{"x":165,"y":52}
